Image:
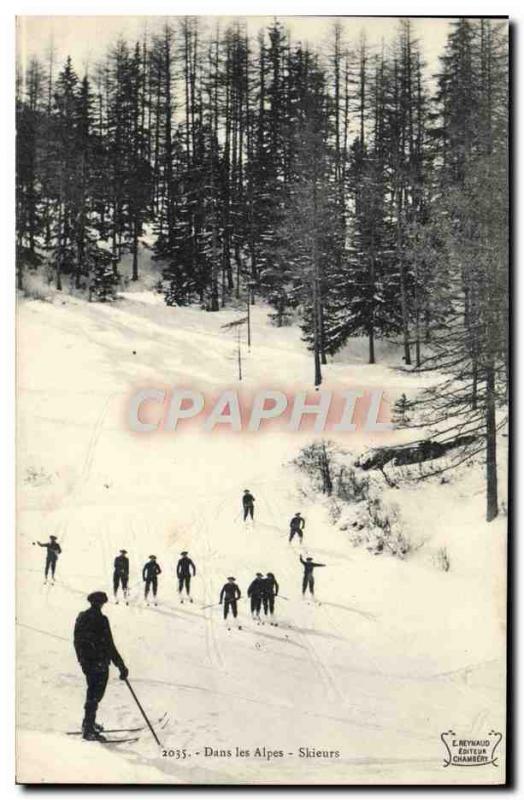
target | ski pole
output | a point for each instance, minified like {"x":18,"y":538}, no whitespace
{"x":137,"y":701}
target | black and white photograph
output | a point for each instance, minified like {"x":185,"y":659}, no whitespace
{"x":262,"y":399}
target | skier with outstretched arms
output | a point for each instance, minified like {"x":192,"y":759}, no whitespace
{"x":296,"y":527}
{"x":53,"y":551}
{"x":308,"y":581}
{"x":150,"y":574}
{"x":185,"y":570}
{"x":229,"y":596}
{"x":95,"y":650}
{"x":121,"y":575}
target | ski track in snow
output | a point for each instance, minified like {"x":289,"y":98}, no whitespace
{"x":373,"y":671}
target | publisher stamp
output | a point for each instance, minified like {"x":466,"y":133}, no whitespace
{"x":470,"y":752}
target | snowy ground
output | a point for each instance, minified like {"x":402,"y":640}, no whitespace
{"x":396,"y":653}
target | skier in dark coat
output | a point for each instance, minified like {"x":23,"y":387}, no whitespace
{"x":183,"y":571}
{"x":248,"y":503}
{"x":296,"y":527}
{"x":256,"y":592}
{"x":270,"y":592}
{"x":53,"y":551}
{"x":121,"y":574}
{"x":308,"y":581}
{"x":229,"y":595}
{"x":150,"y":574}
{"x":95,"y":650}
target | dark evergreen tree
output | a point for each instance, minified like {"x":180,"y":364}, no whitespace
{"x":469,"y":238}
{"x":29,"y":116}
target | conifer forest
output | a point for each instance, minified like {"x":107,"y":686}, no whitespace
{"x":347,"y":186}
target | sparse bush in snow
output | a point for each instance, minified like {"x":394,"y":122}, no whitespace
{"x":317,"y":461}
{"x":386,"y":530}
{"x":353,"y":517}
{"x":36,"y":476}
{"x":356,"y":504}
{"x":441,"y":559}
{"x":351,"y":485}
{"x":334,"y":511}
{"x":35,"y":288}
{"x":362,"y":532}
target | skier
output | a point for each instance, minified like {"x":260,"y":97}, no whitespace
{"x":95,"y":650}
{"x":256,"y":592}
{"x":183,"y":572}
{"x":150,"y":575}
{"x":270,"y":592}
{"x":308,"y":581}
{"x":121,"y":574}
{"x":229,"y":595}
{"x":296,"y":526}
{"x":53,"y":551}
{"x":248,"y":502}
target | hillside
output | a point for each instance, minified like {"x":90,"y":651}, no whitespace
{"x":397,"y":651}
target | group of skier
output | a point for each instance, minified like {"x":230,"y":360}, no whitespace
{"x":296,"y":525}
{"x":93,"y":641}
{"x":185,"y":570}
{"x":261,"y":593}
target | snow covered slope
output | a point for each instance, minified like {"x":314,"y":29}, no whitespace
{"x":396,"y":652}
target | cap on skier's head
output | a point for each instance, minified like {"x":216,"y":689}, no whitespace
{"x":53,"y":538}
{"x":183,"y":553}
{"x":269,"y":575}
{"x":259,"y":575}
{"x":297,"y":514}
{"x":97,"y":598}
{"x":231,"y":579}
{"x":123,"y":552}
{"x":152,"y":557}
{"x":308,"y":558}
{"x":246,"y":490}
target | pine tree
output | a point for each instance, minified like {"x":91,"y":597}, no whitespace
{"x":307,"y":232}
{"x":469,"y":343}
{"x":29,"y":113}
{"x":65,"y":158}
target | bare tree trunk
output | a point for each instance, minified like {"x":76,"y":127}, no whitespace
{"x":316,"y":318}
{"x":134,"y":276}
{"x":59,"y":249}
{"x":491,"y":446}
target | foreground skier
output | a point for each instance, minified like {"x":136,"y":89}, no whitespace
{"x":308,"y":582}
{"x":53,"y":551}
{"x":229,"y":595}
{"x":150,"y":574}
{"x":121,"y":574}
{"x":296,"y":527}
{"x":248,"y":503}
{"x":183,"y":571}
{"x":95,"y":650}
